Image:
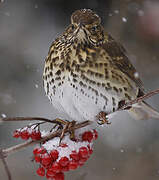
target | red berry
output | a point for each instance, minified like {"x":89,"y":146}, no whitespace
{"x":64,"y":168}
{"x":50,"y":173}
{"x":25,"y":134}
{"x":95,"y":134}
{"x":37,"y":158}
{"x":46,"y":160}
{"x":74,"y":155}
{"x":16,"y":134}
{"x":56,"y":167}
{"x":87,"y":136}
{"x":73,"y":165}
{"x":83,"y":152}
{"x":41,"y":171}
{"x":54,"y":154}
{"x":64,"y":161}
{"x":59,"y":176}
{"x":35,"y":135}
{"x":63,"y":145}
{"x":35,"y":151}
{"x":41,"y":150}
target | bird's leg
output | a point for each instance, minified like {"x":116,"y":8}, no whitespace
{"x":72,"y":131}
{"x":66,"y":125}
{"x":102,"y":119}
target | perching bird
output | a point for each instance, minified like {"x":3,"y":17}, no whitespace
{"x":87,"y":72}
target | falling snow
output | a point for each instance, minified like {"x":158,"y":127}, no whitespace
{"x":36,"y":86}
{"x":36,"y":6}
{"x":136,"y":75}
{"x":121,"y":150}
{"x":140,"y":12}
{"x":110,"y":14}
{"x":3,"y":115}
{"x":116,"y":11}
{"x":124,"y":19}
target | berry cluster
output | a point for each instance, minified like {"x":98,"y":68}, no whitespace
{"x":26,"y":133}
{"x":55,"y":159}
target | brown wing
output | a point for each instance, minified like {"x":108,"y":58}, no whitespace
{"x":119,"y":59}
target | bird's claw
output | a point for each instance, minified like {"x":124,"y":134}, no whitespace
{"x":102,"y":118}
{"x":66,"y":125}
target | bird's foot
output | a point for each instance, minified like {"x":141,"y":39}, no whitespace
{"x":102,"y":118}
{"x":65,"y":126}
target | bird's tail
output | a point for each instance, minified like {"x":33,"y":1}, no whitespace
{"x":143,"y":110}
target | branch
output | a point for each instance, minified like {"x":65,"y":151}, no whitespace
{"x":27,"y":119}
{"x":5,"y":164}
{"x":57,"y":133}
{"x":139,"y":99}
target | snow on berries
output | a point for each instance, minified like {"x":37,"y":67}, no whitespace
{"x":69,"y":155}
{"x":27,"y":132}
{"x":55,"y":158}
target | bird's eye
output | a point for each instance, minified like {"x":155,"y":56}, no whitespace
{"x":93,"y":28}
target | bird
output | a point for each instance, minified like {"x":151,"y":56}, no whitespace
{"x":88,"y":75}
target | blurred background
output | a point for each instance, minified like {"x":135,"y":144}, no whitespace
{"x":127,"y":149}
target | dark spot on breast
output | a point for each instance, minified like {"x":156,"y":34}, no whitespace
{"x":127,"y":96}
{"x":74,"y":80}
{"x":125,"y":88}
{"x":108,"y":84}
{"x":58,"y":72}
{"x":58,"y":78}
{"x":80,"y":59}
{"x":52,"y":80}
{"x":55,"y":59}
{"x":46,"y":68}
{"x":113,"y":100}
{"x":120,"y":89}
{"x":68,"y":68}
{"x":115,"y":89}
{"x":51,"y":74}
{"x":96,"y":65}
{"x":61,"y":65}
{"x":47,"y":88}
{"x":51,"y":66}
{"x":82,"y":84}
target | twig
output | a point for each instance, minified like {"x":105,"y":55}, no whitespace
{"x":27,"y":119}
{"x":139,"y":99}
{"x":57,"y":133}
{"x":5,"y":165}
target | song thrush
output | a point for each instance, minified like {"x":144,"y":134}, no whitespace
{"x":87,"y":73}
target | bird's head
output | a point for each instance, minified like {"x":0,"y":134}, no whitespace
{"x":86,"y":26}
